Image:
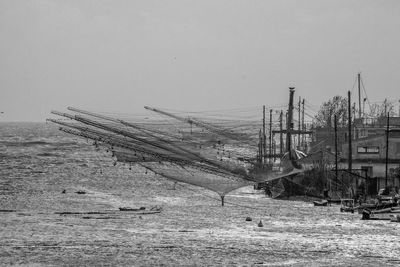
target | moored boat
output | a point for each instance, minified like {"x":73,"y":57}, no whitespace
{"x":321,"y":203}
{"x":383,"y":214}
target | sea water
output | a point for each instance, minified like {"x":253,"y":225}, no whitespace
{"x":44,"y":221}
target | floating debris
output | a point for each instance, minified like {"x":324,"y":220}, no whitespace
{"x":7,"y":210}
{"x":131,"y":209}
{"x":79,"y":212}
{"x":99,"y":218}
{"x":156,"y":208}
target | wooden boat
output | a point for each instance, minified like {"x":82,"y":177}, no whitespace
{"x":379,"y":206}
{"x":383,"y":214}
{"x":321,"y":203}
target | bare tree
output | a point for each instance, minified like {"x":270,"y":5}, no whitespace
{"x":381,"y":110}
{"x":337,"y":105}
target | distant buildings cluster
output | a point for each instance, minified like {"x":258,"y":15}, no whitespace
{"x":375,"y":147}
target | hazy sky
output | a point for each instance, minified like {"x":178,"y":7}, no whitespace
{"x":192,"y":55}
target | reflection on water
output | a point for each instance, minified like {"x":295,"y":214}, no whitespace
{"x":37,"y":162}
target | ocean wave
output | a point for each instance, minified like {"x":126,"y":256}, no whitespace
{"x":46,"y":154}
{"x":35,"y":143}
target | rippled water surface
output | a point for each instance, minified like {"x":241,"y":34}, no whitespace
{"x":41,"y":225}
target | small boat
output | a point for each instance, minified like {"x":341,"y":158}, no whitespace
{"x":384,"y":214}
{"x":394,"y":218}
{"x":383,"y":203}
{"x":131,"y":209}
{"x":321,"y":203}
{"x":347,"y":205}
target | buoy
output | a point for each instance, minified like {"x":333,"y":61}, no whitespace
{"x":64,"y":191}
{"x":248,"y":219}
{"x":260,"y":224}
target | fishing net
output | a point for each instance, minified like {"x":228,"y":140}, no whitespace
{"x":219,"y":156}
{"x":218,"y":183}
{"x":276,"y":188}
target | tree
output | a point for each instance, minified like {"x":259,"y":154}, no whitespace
{"x":381,"y":110}
{"x":325,"y":116}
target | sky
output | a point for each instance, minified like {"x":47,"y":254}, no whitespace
{"x":118,"y":56}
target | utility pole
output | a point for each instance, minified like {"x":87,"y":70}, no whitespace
{"x":399,"y":108}
{"x":263,"y":137}
{"x":299,"y":127}
{"x":289,"y":127}
{"x":336,"y":152}
{"x":270,"y":136}
{"x":387,"y":150}
{"x":363,"y":111}
{"x":385,"y":106}
{"x":303,"y":128}
{"x":359,"y":95}
{"x":260,"y":147}
{"x":281,"y":133}
{"x":349,"y":133}
{"x":354,"y":125}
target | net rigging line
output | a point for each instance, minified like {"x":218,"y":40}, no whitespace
{"x":157,"y":156}
{"x":124,"y":133}
{"x":365,"y":91}
{"x":216,"y":199}
{"x":219,"y":111}
{"x":311,"y":105}
{"x":354,"y":84}
{"x":226,"y":133}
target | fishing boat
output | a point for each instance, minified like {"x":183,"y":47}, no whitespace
{"x":381,"y":204}
{"x":383,"y":214}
